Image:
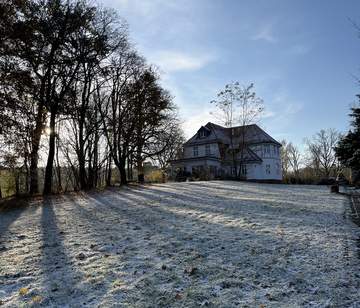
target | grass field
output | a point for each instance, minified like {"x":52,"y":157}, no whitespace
{"x":220,"y":244}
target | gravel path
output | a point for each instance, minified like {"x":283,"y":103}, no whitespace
{"x":220,"y":244}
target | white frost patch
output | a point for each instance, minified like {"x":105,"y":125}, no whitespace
{"x":182,"y":244}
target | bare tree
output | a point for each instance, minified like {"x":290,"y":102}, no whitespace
{"x":285,"y":158}
{"x":169,"y":144}
{"x":238,"y":105}
{"x":153,"y":114}
{"x":321,"y":151}
{"x":71,"y":25}
{"x":83,"y":103}
{"x":117,"y":111}
{"x":295,"y":159}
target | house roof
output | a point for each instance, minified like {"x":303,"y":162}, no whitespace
{"x":253,"y":134}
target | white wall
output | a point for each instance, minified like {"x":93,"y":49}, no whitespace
{"x":269,"y":153}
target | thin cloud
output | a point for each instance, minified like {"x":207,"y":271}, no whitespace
{"x":268,"y":114}
{"x":284,"y":109}
{"x":265,"y":34}
{"x":173,"y":61}
{"x":147,"y":9}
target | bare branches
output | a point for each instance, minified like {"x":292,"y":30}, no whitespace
{"x":238,"y":105}
{"x":321,"y":150}
{"x":294,"y":158}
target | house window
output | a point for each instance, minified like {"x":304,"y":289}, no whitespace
{"x":195,"y":151}
{"x":202,"y":134}
{"x":277,"y":168}
{"x":207,"y":149}
{"x":243,"y":170}
{"x":268,"y":169}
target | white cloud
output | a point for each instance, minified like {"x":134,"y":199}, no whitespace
{"x":283,"y":111}
{"x":193,"y":123}
{"x":172,"y":61}
{"x":148,"y":9}
{"x":265,"y":34}
{"x":268,"y":114}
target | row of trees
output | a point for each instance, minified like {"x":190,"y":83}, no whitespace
{"x":327,"y":154}
{"x":70,"y":77}
{"x":316,"y":162}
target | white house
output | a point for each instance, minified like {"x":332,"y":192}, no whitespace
{"x":216,"y":151}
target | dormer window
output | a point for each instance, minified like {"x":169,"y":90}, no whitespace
{"x":202,"y":134}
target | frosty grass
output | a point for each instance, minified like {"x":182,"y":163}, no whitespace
{"x":219,"y":244}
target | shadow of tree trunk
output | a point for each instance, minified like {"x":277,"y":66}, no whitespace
{"x":57,"y":266}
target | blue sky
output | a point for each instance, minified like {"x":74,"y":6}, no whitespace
{"x":302,"y":56}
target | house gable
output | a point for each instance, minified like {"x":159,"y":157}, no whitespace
{"x":204,"y":135}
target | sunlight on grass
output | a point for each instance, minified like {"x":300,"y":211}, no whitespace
{"x":23,"y":291}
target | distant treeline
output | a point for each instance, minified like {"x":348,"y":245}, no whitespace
{"x":323,"y":160}
{"x":75,"y":94}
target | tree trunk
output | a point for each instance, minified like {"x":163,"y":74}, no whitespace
{"x":140,"y":170}
{"x":233,"y":154}
{"x":128,"y":169}
{"x":34,"y":155}
{"x":58,"y":169}
{"x":131,"y":167}
{"x":108,"y":174}
{"x":242,"y":148}
{"x":26,"y":166}
{"x":122,"y":170}
{"x":82,"y":172}
{"x":51,"y":155}
{"x":94,"y":182}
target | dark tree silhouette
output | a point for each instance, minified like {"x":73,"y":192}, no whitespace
{"x":348,"y":148}
{"x":70,"y":77}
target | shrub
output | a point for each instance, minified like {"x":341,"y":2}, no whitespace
{"x":155,"y":176}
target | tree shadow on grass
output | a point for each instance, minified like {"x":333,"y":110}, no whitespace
{"x":61,"y":279}
{"x":176,"y":239}
{"x":253,"y":188}
{"x":271,"y":211}
{"x":222,"y":253}
{"x":7,"y":219}
{"x":10,"y":211}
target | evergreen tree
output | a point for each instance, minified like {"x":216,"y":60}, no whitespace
{"x":348,"y":148}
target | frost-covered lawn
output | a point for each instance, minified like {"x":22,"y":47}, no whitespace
{"x":183,"y":244}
